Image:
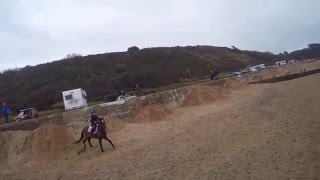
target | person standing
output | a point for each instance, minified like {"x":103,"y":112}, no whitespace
{"x":5,"y":112}
{"x":137,"y":89}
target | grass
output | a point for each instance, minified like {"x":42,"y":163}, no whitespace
{"x":49,"y":112}
{"x":11,"y":119}
{"x":189,"y":83}
{"x":94,"y":103}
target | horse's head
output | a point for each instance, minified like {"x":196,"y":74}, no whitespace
{"x":101,"y":123}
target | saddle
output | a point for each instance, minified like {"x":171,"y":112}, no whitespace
{"x":90,"y":129}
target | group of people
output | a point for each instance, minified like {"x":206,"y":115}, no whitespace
{"x":5,"y":112}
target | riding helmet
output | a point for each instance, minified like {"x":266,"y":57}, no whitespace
{"x":92,"y":111}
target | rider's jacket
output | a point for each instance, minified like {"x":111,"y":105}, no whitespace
{"x":94,"y":120}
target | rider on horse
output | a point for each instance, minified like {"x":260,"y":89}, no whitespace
{"x":94,"y":120}
{"x":97,"y":124}
{"x":214,"y":74}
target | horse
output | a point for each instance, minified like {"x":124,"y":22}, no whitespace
{"x":101,"y":134}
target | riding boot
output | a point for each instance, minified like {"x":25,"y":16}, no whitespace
{"x":92,"y":131}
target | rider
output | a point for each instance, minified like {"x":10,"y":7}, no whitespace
{"x":93,"y":120}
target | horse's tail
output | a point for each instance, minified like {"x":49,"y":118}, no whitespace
{"x":76,"y":142}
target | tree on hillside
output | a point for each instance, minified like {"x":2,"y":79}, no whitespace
{"x":72,"y":55}
{"x":314,"y":45}
{"x":120,"y":68}
{"x":133,"y":50}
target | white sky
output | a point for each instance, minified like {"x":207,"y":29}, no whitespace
{"x":39,"y":31}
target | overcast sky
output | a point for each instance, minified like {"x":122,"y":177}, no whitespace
{"x":39,"y":31}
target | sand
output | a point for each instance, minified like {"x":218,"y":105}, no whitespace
{"x":150,"y":113}
{"x":203,"y":94}
{"x":235,"y":83}
{"x":265,"y":131}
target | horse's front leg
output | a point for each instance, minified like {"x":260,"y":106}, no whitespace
{"x":89,"y":140}
{"x":106,"y":138}
{"x":101,"y":145}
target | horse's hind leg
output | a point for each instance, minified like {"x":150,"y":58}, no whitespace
{"x":89,"y":140}
{"x":84,"y":143}
{"x":106,"y":138}
{"x":101,"y":145}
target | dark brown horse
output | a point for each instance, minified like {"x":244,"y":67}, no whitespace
{"x":101,"y":134}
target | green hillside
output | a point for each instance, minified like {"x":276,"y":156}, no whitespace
{"x":41,"y":86}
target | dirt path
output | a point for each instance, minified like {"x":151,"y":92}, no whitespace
{"x":269,"y":131}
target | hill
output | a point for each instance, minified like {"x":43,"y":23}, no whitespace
{"x":41,"y":86}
